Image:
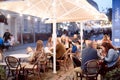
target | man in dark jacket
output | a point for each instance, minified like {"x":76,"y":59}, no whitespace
{"x":6,"y":35}
{"x":89,"y":53}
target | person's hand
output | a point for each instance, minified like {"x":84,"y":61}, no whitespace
{"x":102,"y":57}
{"x":100,"y":62}
{"x":103,"y":54}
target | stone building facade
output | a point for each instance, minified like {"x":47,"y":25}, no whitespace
{"x":26,"y":28}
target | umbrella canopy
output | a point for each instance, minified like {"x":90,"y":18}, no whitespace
{"x":99,"y":16}
{"x":15,"y":6}
{"x":65,"y":10}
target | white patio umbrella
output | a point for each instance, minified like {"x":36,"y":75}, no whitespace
{"x":65,"y":10}
{"x":56,"y":11}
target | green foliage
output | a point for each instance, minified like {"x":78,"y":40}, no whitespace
{"x":2,"y":73}
{"x":113,"y":75}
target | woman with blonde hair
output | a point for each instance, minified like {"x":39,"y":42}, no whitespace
{"x":39,"y":45}
{"x":40,"y":53}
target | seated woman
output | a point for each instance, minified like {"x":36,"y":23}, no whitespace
{"x":40,"y":53}
{"x":49,"y":43}
{"x":49,"y":46}
{"x":110,"y":56}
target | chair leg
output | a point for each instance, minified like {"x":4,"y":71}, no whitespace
{"x":76,"y":76}
{"x":96,"y":78}
{"x":8,"y":74}
{"x":80,"y":76}
{"x":38,"y":74}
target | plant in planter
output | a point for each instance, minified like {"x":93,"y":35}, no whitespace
{"x":113,"y":75}
{"x":2,"y":73}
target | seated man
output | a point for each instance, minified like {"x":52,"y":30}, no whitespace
{"x":60,"y":50}
{"x":88,"y":53}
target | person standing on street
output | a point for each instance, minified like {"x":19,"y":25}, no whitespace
{"x":6,"y":35}
{"x":6,"y":38}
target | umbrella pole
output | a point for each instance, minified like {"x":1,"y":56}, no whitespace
{"x":54,"y":36}
{"x":54,"y":47}
{"x":81,"y":36}
{"x":21,"y":25}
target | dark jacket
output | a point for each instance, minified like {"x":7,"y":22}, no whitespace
{"x":88,"y":53}
{"x":60,"y":50}
{"x":6,"y":36}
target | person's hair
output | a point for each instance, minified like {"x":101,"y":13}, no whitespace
{"x":63,"y":37}
{"x":29,"y":49}
{"x":89,"y":43}
{"x":49,"y":39}
{"x":39,"y":45}
{"x":1,"y":51}
{"x":11,"y":34}
{"x":105,"y":37}
{"x":107,"y":46}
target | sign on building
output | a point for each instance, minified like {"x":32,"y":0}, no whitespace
{"x":116,"y":23}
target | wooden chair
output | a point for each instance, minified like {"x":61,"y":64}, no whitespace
{"x":64,"y":60}
{"x":14,"y":66}
{"x":32,"y":69}
{"x":91,"y":71}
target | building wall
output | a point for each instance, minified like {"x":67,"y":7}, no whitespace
{"x":26,"y":30}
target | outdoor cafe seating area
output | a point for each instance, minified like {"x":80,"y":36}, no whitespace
{"x":59,"y":40}
{"x":17,"y":66}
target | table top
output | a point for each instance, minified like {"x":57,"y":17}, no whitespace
{"x":2,"y":63}
{"x":20,"y":55}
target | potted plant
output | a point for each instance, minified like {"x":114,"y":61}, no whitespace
{"x":113,"y":75}
{"x":2,"y":73}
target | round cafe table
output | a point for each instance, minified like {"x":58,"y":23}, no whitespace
{"x":20,"y":55}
